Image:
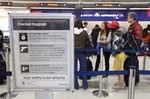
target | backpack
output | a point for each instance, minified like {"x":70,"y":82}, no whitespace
{"x":117,"y":39}
{"x":132,"y":43}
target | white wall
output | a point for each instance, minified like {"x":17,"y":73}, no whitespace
{"x":4,"y":21}
{"x":125,"y":24}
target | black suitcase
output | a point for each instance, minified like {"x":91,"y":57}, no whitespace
{"x":131,"y":61}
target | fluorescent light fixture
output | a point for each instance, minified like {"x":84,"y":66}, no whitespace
{"x":116,"y":2}
{"x":139,"y":8}
{"x":13,"y":7}
{"x":104,"y":8}
{"x":48,"y":8}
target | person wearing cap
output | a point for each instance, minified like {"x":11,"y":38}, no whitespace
{"x":104,"y":38}
{"x":119,"y":57}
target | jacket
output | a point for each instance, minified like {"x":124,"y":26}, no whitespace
{"x":117,"y":39}
{"x":1,"y":40}
{"x":95,"y":33}
{"x":81,"y":38}
{"x":136,"y":30}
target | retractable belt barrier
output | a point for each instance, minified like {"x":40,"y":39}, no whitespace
{"x":131,"y":51}
{"x":94,"y":73}
{"x":8,"y":73}
{"x":2,"y":73}
{"x":144,"y":72}
{"x":131,"y":72}
{"x":110,"y":50}
{"x":2,"y":50}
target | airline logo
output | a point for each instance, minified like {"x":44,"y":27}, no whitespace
{"x":114,"y":16}
{"x":86,"y":15}
{"x":97,"y":15}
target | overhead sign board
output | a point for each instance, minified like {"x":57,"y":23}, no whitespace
{"x":42,"y":48}
{"x":100,"y":15}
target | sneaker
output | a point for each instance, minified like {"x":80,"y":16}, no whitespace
{"x":77,"y":88}
{"x":119,"y":85}
{"x":85,"y":88}
{"x":116,"y":83}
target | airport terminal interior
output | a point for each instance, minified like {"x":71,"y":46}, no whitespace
{"x":94,"y":12}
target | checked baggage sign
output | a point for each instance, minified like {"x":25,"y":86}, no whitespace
{"x":42,"y":49}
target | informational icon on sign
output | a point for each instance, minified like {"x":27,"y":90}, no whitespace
{"x":23,"y":37}
{"x":24,"y":68}
{"x":23,"y":83}
{"x":23,"y":48}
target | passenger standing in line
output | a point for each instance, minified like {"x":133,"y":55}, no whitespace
{"x":94,"y":35}
{"x":132,"y":60}
{"x":135,"y":28}
{"x":104,"y":38}
{"x":81,"y":39}
{"x":1,"y":40}
{"x":147,"y":38}
{"x":120,"y":57}
{"x":85,"y":24}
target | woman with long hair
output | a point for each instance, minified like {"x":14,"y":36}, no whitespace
{"x":104,"y":38}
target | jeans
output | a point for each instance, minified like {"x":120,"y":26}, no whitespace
{"x":81,"y":56}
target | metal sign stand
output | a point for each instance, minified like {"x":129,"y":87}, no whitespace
{"x":44,"y":94}
{"x":100,"y":92}
{"x":9,"y":94}
{"x":132,"y":76}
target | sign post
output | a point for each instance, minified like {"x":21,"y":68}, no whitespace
{"x":42,"y":48}
{"x":46,"y":95}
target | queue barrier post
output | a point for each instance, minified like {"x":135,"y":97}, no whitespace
{"x":44,"y":94}
{"x":132,"y":76}
{"x":100,"y":92}
{"x":9,"y":94}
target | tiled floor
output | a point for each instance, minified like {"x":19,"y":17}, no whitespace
{"x":141,"y":91}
